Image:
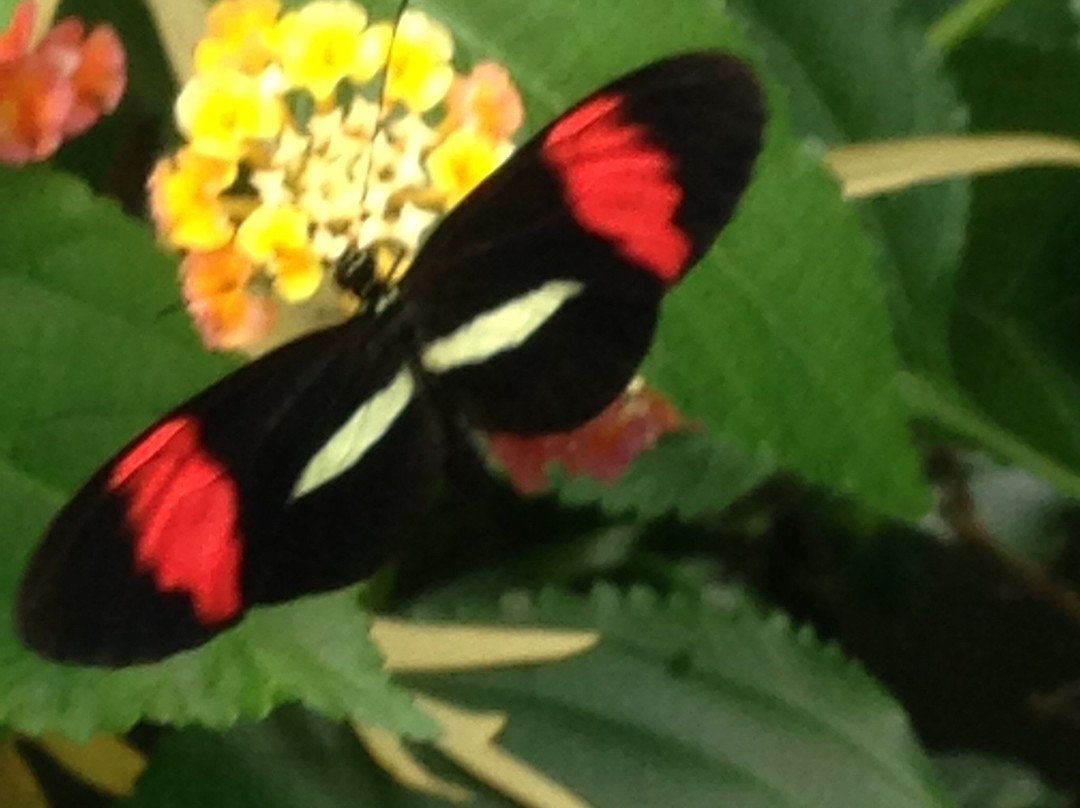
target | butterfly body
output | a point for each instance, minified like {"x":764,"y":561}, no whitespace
{"x":528,"y":310}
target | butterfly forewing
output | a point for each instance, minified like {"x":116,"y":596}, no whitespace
{"x":301,"y":472}
{"x":573,"y":242}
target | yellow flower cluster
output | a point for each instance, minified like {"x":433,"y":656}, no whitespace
{"x":289,"y":159}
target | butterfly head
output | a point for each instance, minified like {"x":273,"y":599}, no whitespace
{"x":370,"y":273}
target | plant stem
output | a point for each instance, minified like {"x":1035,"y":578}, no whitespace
{"x":962,"y":21}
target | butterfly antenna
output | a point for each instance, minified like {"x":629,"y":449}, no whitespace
{"x":381,"y":103}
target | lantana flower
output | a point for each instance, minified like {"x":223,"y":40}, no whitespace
{"x":289,"y":159}
{"x":15,"y":40}
{"x":214,"y":285}
{"x":462,"y":160}
{"x":185,"y":201}
{"x":602,"y":448}
{"x":419,"y":72}
{"x":222,"y":113}
{"x":94,"y":65}
{"x":58,"y":89}
{"x":239,"y":36}
{"x":321,"y":44}
{"x":487,"y":100}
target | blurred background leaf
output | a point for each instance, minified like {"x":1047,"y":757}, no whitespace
{"x":985,"y":782}
{"x":685,"y":703}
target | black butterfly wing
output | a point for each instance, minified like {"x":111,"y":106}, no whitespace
{"x":531,"y":306}
{"x":303,"y":471}
{"x":536,"y":299}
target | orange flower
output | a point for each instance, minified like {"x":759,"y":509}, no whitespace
{"x":58,"y":90}
{"x":602,"y":448}
{"x":486,"y":99}
{"x":15,"y":41}
{"x":35,"y":100}
{"x":215,"y":289}
{"x":94,"y":64}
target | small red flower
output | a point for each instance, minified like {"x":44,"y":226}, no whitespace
{"x":95,"y":65}
{"x":59,"y":89}
{"x":35,"y":100}
{"x":602,"y":448}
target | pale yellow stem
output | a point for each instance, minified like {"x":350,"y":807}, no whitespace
{"x":44,"y":13}
{"x":106,"y":761}
{"x":395,"y":759}
{"x":869,"y":169}
{"x":19,"y":787}
{"x":419,"y":647}
{"x":468,"y":739}
{"x":180,"y":25}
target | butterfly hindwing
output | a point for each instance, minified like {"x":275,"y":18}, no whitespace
{"x":301,"y":472}
{"x":537,"y":298}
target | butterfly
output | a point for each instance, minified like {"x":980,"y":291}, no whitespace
{"x":527,"y":310}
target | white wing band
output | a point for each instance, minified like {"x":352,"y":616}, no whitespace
{"x":500,"y":329}
{"x":363,"y":430}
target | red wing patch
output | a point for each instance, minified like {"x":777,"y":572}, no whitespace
{"x":620,"y":185}
{"x":182,"y":506}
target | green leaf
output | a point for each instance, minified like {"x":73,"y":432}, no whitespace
{"x":780,"y":340}
{"x":696,"y":701}
{"x":86,"y":361}
{"x":902,"y":89}
{"x":686,"y":473}
{"x":1014,"y":328}
{"x":82,"y":289}
{"x":313,"y":650}
{"x":1041,"y":23}
{"x":683,"y":704}
{"x":7,"y":8}
{"x":1013,"y":384}
{"x":978,"y":781}
{"x":293,"y":759}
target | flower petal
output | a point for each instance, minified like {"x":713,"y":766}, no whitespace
{"x":221,"y":112}
{"x":297,"y":274}
{"x":226,"y":315}
{"x":320,"y":44}
{"x":62,"y":45}
{"x":272,"y":229}
{"x":602,"y":448}
{"x":99,"y":80}
{"x":487,"y":99}
{"x":239,"y":36}
{"x":35,"y":101}
{"x":464,"y":158}
{"x":419,"y":73}
{"x":184,"y":200}
{"x":15,"y":39}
